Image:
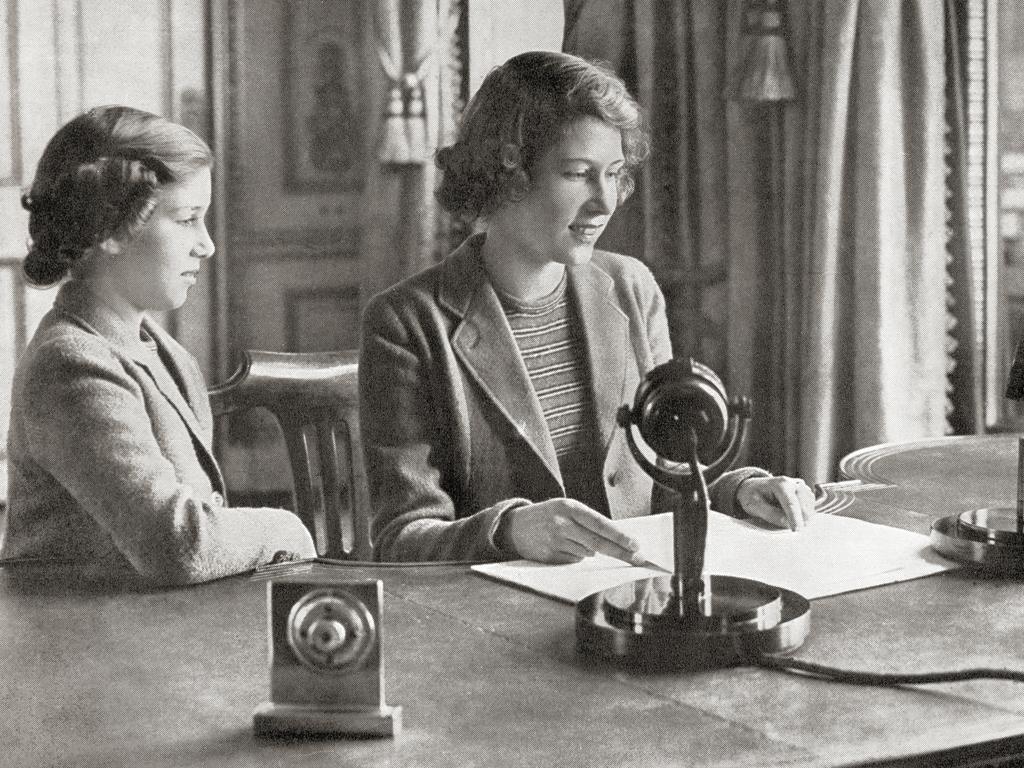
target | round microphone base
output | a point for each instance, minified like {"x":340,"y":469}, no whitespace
{"x":639,"y":624}
{"x":988,"y":539}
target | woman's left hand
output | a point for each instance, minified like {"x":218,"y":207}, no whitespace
{"x":785,"y":502}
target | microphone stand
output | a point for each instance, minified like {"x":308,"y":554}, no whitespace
{"x":687,"y":619}
{"x":689,"y":533}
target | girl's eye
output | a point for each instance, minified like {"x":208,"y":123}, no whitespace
{"x":189,"y":221}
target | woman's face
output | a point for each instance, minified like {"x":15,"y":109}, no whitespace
{"x":154,"y":270}
{"x":573,"y":193}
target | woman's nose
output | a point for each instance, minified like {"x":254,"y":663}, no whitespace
{"x":605,"y":195}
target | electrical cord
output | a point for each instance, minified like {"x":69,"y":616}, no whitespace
{"x":825,"y":671}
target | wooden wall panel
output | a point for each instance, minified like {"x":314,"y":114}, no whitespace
{"x":273,"y":285}
{"x":293,"y":268}
{"x":322,"y":319}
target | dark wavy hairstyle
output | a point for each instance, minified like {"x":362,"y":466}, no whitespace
{"x":523,"y":108}
{"x":98,"y":177}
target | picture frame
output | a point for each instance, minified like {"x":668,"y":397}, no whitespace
{"x":324,"y":65}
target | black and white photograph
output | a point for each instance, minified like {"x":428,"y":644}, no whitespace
{"x":484,"y":384}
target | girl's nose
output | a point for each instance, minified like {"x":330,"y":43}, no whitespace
{"x":204,"y":247}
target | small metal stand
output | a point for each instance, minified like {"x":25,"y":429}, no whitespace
{"x":689,"y":620}
{"x":326,"y":673}
{"x":991,"y":538}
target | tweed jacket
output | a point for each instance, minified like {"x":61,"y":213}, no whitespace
{"x":453,"y":432}
{"x":110,"y":462}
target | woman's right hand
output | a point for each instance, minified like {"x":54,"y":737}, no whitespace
{"x":565,"y":531}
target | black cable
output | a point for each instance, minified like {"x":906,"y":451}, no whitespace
{"x":787,"y":664}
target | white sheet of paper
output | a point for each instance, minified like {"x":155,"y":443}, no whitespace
{"x":831,"y":555}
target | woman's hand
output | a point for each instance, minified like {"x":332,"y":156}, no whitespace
{"x":564,"y":531}
{"x":785,"y":502}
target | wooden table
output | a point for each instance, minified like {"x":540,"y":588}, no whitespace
{"x":487,"y":675}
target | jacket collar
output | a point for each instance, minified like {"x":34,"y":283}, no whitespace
{"x":483,"y":340}
{"x":76,"y":300}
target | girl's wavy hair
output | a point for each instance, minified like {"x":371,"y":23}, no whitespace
{"x":521,"y":109}
{"x":98,"y":178}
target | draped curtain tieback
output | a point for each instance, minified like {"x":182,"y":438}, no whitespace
{"x":404,"y":139}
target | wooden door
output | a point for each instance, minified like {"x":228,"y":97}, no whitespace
{"x":299,"y":103}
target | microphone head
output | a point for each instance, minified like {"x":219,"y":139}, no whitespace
{"x":677,"y":398}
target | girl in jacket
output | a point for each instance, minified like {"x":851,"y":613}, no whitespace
{"x":109,"y":450}
{"x":490,"y":382}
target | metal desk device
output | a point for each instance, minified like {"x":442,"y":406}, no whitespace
{"x":990,"y":538}
{"x":326,"y":672}
{"x":688,"y":620}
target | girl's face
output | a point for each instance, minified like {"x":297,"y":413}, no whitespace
{"x":154,"y":270}
{"x":573,"y":193}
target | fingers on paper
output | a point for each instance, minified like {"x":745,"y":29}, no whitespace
{"x":796,"y":502}
{"x":596,"y":533}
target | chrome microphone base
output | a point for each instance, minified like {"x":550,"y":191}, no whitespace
{"x":638,"y":624}
{"x":988,"y":539}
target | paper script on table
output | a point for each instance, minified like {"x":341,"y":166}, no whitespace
{"x":831,"y":555}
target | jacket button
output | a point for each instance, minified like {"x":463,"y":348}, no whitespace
{"x":611,"y":479}
{"x":216,"y":499}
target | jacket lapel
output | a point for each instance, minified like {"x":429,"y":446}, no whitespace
{"x":76,"y":300}
{"x":605,"y":329}
{"x":484,"y":344}
{"x":183,"y":397}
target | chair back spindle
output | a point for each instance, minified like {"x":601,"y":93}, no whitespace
{"x":314,"y":396}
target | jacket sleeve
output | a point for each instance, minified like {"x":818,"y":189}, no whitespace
{"x":407,"y":442}
{"x":87,"y":424}
{"x":723,"y":490}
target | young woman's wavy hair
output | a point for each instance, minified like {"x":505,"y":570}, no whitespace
{"x":521,"y":109}
{"x":98,"y":178}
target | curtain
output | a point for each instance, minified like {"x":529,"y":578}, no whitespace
{"x":671,"y":55}
{"x":964,"y":299}
{"x":835,"y":322}
{"x":419,"y":92}
{"x":865,"y":240}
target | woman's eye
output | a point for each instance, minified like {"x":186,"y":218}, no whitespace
{"x":189,"y":221}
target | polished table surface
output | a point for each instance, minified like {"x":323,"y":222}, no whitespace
{"x":488,"y":675}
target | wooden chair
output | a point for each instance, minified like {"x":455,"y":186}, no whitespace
{"x":314,"y":397}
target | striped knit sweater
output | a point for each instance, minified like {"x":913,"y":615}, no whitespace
{"x":550,"y":340}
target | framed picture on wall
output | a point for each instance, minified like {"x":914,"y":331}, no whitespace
{"x":324,"y":95}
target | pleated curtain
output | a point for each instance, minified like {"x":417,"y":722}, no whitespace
{"x":802,"y":247}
